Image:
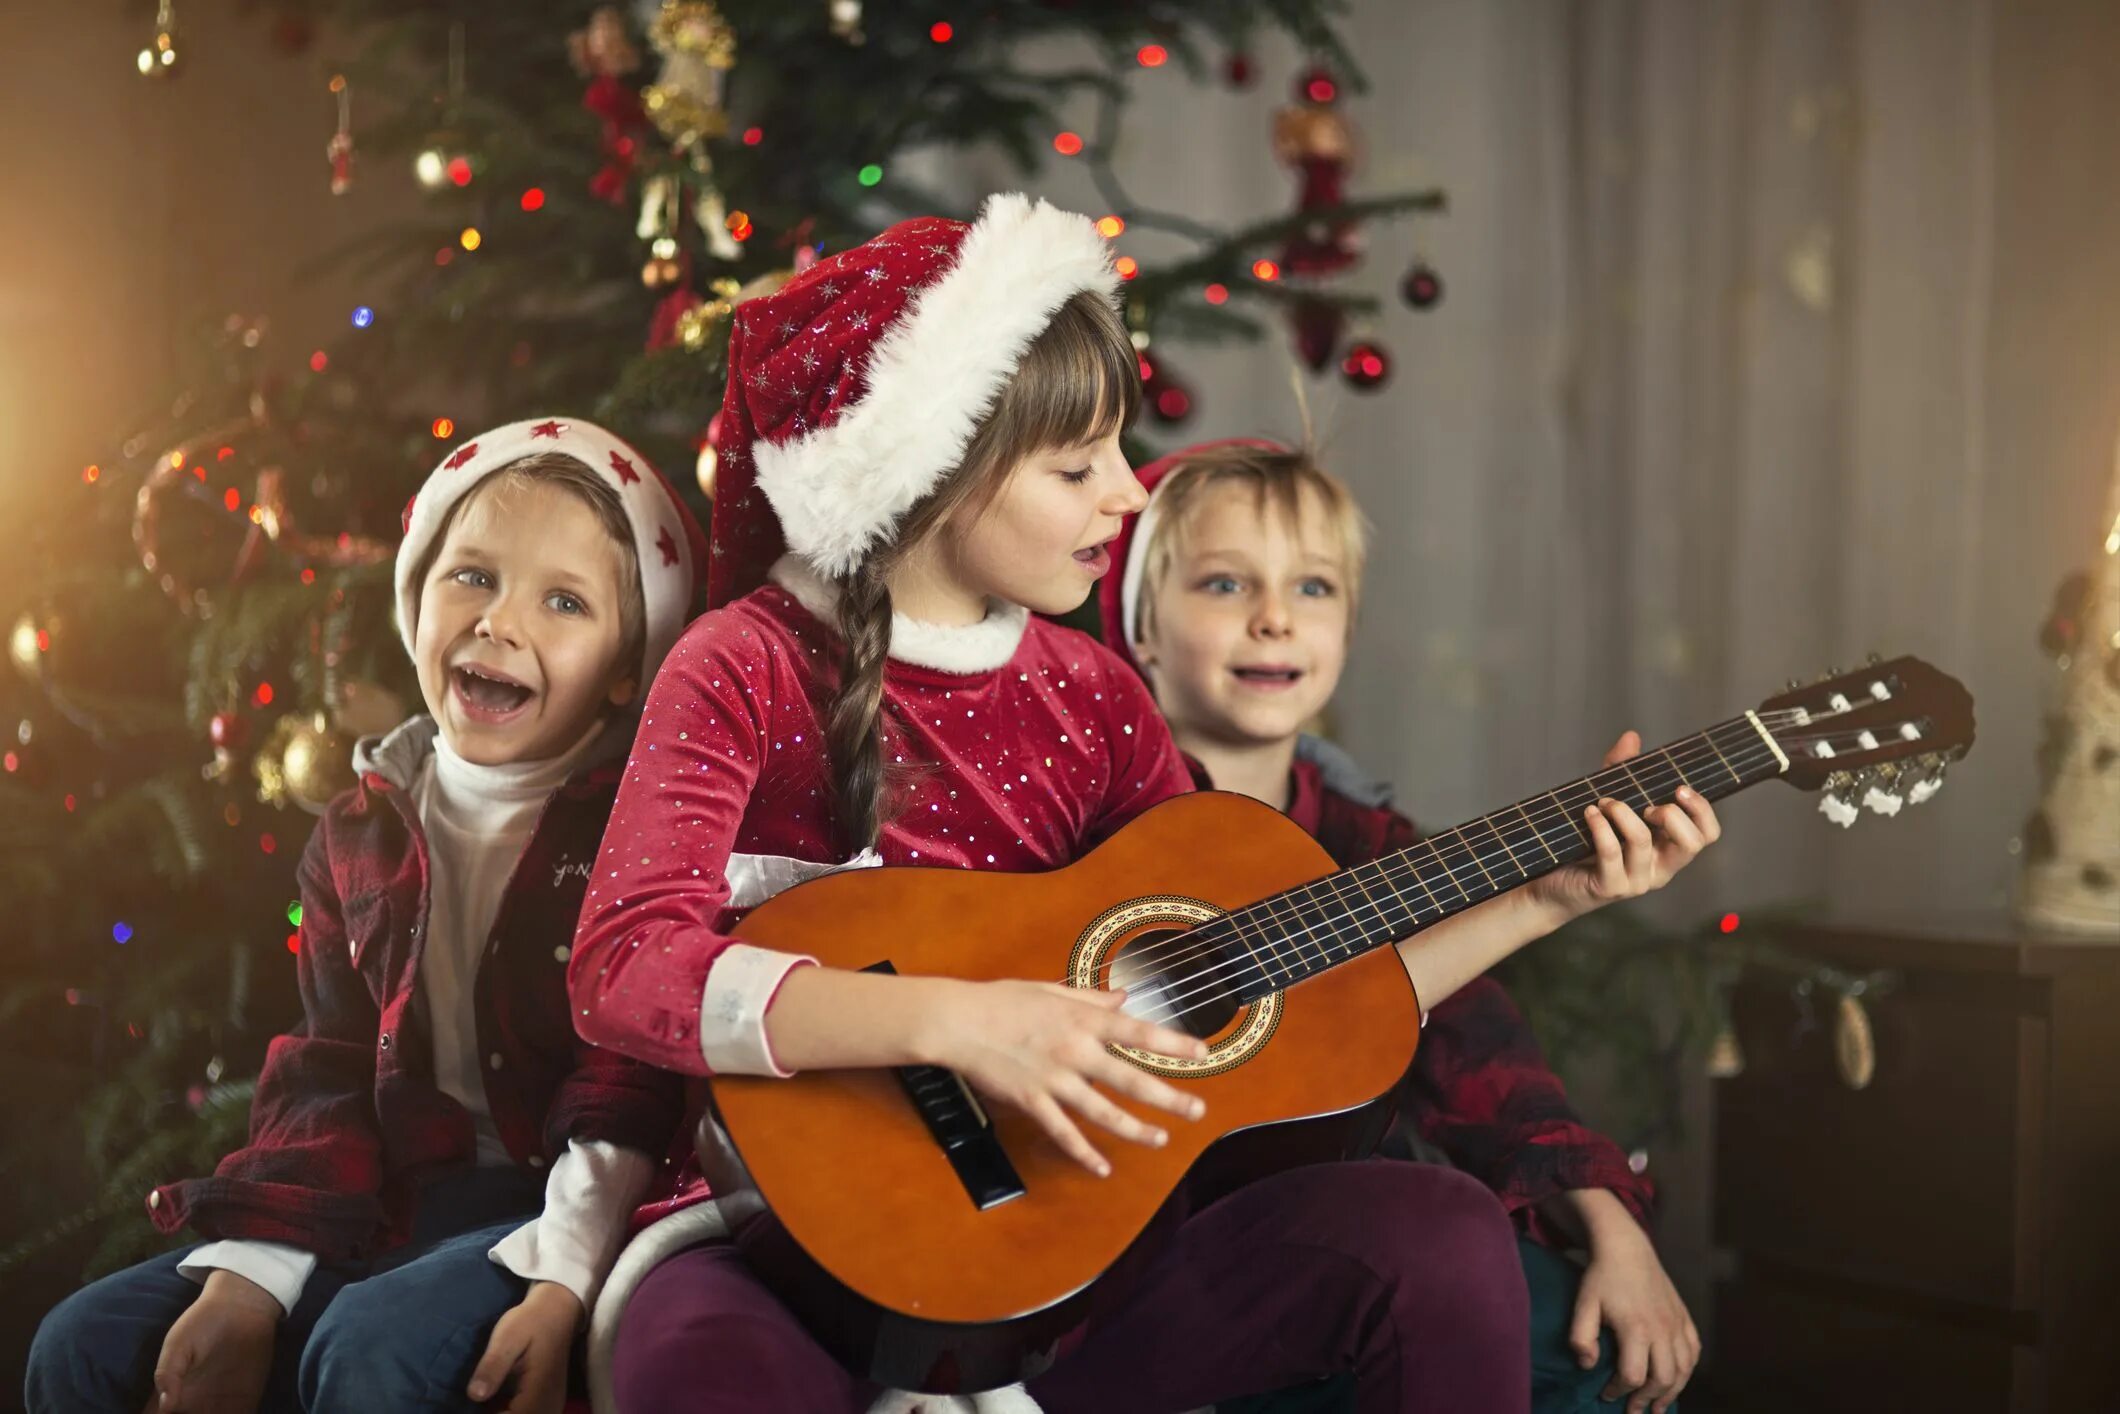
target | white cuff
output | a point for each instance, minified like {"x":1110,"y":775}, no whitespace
{"x":732,"y":1010}
{"x":280,"y":1268}
{"x":589,"y":1198}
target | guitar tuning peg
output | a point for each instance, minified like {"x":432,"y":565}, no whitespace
{"x":1873,"y":659}
{"x":1793,"y":685}
{"x":1878,"y":794}
{"x":1838,"y":808}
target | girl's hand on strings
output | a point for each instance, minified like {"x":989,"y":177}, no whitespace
{"x":1042,"y":1047}
{"x":1635,"y":853}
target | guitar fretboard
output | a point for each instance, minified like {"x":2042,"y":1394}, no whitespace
{"x":1300,"y":932}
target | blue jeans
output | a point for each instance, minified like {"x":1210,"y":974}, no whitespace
{"x":403,"y":1333}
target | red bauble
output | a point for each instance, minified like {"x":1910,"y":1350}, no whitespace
{"x":1367,"y":366}
{"x":1237,"y":69}
{"x":1422,"y":288}
{"x":226,"y":730}
{"x":1317,"y":329}
{"x":1318,"y":86}
{"x":1166,"y":397}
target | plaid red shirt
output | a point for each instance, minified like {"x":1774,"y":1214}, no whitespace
{"x":348,"y":1121}
{"x":1480,"y":1090}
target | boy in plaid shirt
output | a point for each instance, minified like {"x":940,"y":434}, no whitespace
{"x":439,"y":1171}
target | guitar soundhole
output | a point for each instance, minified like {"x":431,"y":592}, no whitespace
{"x":1176,"y":983}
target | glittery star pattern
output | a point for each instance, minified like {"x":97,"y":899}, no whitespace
{"x":461,"y":455}
{"x":627,"y":475}
{"x":548,"y":429}
{"x":667,"y":545}
{"x":1023,"y":765}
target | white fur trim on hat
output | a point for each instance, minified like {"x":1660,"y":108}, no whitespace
{"x":660,"y":543}
{"x":932,"y":376}
{"x":948,"y":648}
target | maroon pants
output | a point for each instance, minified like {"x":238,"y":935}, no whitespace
{"x":1405,"y":1274}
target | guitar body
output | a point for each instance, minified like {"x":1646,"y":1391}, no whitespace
{"x":888,"y":1254}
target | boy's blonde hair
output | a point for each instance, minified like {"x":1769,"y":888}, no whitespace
{"x":1278,"y":477}
{"x":570,"y":475}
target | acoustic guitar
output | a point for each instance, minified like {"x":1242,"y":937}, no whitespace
{"x":932,"y":1243}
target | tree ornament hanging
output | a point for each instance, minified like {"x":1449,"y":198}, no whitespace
{"x":1314,"y":138}
{"x":159,"y":60}
{"x":697,"y":48}
{"x":445,"y":159}
{"x":339,"y":151}
{"x":305,"y":761}
{"x":1422,"y":288}
{"x":846,"y":21}
{"x":1726,"y":1059}
{"x":1168,"y":399}
{"x":1318,"y":325}
{"x":604,"y":53}
{"x":709,"y":459}
{"x":1367,"y":366}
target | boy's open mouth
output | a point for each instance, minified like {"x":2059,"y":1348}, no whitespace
{"x":487,"y":693}
{"x":1269,"y":676}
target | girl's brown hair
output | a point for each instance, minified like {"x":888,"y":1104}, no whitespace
{"x":1077,"y":382}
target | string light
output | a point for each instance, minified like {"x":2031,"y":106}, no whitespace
{"x":1321,"y":88}
{"x":224,"y":454}
{"x":268,"y":844}
{"x":294,"y":913}
{"x":263,"y":695}
{"x":363,"y":316}
{"x":739,"y":224}
{"x":90,"y":473}
{"x":1127,"y":267}
{"x":121,"y":933}
{"x":70,"y":803}
{"x":753,"y":136}
{"x":870,"y":175}
{"x":460,"y":171}
{"x":470,"y":238}
{"x":534,"y":199}
{"x":309,"y":576}
{"x":1728,"y":923}
{"x":232,"y":498}
{"x":941,"y":31}
{"x":294,"y":942}
{"x":1153,"y":56}
{"x":1265,"y":270}
{"x":1216,"y":294}
{"x":443,"y":428}
{"x":11,"y":761}
{"x":1067,"y":144}
{"x":446,"y":254}
{"x":319,"y":361}
{"x":1110,"y":227}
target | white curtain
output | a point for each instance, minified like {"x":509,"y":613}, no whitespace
{"x":1774,"y":333}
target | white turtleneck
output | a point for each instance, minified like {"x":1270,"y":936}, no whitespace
{"x":477,"y":820}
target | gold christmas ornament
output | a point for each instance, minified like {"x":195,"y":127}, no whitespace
{"x":1854,"y":1043}
{"x":306,"y":761}
{"x":697,"y":48}
{"x":709,"y":462}
{"x":27,"y":644}
{"x":1726,"y":1059}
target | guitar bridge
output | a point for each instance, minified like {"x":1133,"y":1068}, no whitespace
{"x":957,"y":1122}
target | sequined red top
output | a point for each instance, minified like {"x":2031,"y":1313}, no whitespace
{"x":1039,"y":748}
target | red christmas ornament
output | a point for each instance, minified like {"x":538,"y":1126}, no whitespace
{"x":1167,"y":398}
{"x":617,"y":104}
{"x":1313,"y":138}
{"x":226,"y":730}
{"x":1317,"y":326}
{"x":1422,"y":288}
{"x":670,"y":311}
{"x":1367,"y":367}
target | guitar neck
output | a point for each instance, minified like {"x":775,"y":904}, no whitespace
{"x":1305,"y":930}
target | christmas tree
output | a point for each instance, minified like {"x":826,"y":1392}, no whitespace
{"x":195,"y":655}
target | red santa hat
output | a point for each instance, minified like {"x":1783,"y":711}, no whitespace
{"x":668,"y":544}
{"x":1119,"y":592}
{"x":855,"y":388}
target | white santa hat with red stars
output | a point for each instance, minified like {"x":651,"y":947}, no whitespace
{"x":667,"y":541}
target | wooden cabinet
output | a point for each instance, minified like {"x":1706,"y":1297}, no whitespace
{"x":1947,"y":1237}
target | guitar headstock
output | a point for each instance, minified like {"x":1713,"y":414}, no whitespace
{"x":1879,"y":737}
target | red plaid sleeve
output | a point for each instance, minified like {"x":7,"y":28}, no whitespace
{"x":1481,"y":1091}
{"x":313,"y":1167}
